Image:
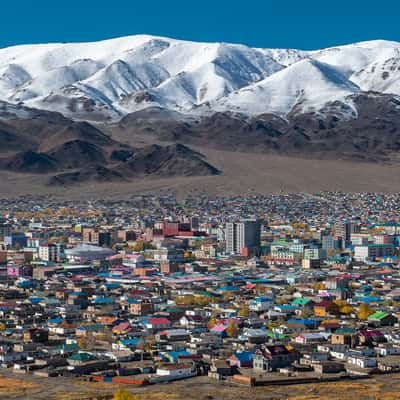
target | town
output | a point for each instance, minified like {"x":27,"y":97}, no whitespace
{"x":255,"y":290}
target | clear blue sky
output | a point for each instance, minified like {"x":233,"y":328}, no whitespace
{"x":306,"y":24}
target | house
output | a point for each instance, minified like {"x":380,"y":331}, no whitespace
{"x":81,"y":358}
{"x":387,"y":349}
{"x":173,"y":335}
{"x":125,"y":344}
{"x":36,"y":335}
{"x":261,"y":303}
{"x":346,"y":336}
{"x":322,"y":309}
{"x":313,"y":357}
{"x":311,"y":337}
{"x":362,"y":362}
{"x":124,"y":328}
{"x":380,"y":318}
{"x":389,"y":364}
{"x":177,"y":371}
{"x":221,"y":367}
{"x":369,"y":337}
{"x":220,"y":330}
{"x":303,"y":302}
{"x":328,"y":367}
{"x":270,"y":358}
{"x":255,"y":336}
{"x":140,"y":307}
{"x":157,"y":323}
{"x":243,"y":359}
{"x":192,"y":320}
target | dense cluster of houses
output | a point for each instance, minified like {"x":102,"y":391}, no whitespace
{"x":146,"y":295}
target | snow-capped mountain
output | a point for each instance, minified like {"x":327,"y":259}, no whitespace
{"x":112,"y":78}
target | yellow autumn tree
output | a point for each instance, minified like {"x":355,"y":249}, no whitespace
{"x":212,"y":322}
{"x":346,"y":310}
{"x":364,"y":311}
{"x":202,"y":300}
{"x":123,"y":394}
{"x":232,"y":330}
{"x":243,"y":311}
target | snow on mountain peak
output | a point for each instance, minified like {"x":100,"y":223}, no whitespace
{"x":118,"y":76}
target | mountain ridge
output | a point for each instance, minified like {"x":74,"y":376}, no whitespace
{"x":106,"y":80}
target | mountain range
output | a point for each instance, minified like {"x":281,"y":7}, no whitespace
{"x":60,"y":104}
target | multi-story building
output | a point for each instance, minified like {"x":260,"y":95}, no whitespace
{"x":330,"y":243}
{"x":372,"y":251}
{"x":48,"y":252}
{"x":242,"y":236}
{"x":314,"y":254}
{"x":344,"y":230}
{"x":5,"y":230}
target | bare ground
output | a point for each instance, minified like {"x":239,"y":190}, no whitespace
{"x":386,"y":387}
{"x":242,"y":173}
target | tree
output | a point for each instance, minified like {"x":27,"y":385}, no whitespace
{"x":364,"y":311}
{"x":346,"y":310}
{"x":334,"y":309}
{"x":87,"y":342}
{"x":146,"y":344}
{"x":185,"y":300}
{"x":319,"y":286}
{"x":123,"y":394}
{"x":243,"y":311}
{"x":232,"y":330}
{"x":138,"y":246}
{"x":202,"y":300}
{"x":212,"y":322}
{"x":226,"y":295}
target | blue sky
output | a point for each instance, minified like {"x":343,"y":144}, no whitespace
{"x":306,"y":24}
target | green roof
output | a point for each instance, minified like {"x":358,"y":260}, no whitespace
{"x":82,"y":357}
{"x":378,"y":315}
{"x":69,"y":347}
{"x":346,"y":331}
{"x":300,"y":302}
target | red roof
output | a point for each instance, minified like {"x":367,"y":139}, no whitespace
{"x":325,"y":303}
{"x":158,"y":321}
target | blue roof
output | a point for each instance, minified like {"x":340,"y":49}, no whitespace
{"x":307,"y":322}
{"x":26,"y":284}
{"x":57,"y":320}
{"x":35,"y":300}
{"x":103,"y":300}
{"x":130,"y":342}
{"x":112,"y":285}
{"x":262,"y":298}
{"x":228,"y":288}
{"x":369,"y":299}
{"x":244,"y":356}
{"x":286,"y":307}
{"x":176,"y":354}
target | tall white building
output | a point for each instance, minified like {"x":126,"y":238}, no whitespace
{"x":242,"y":235}
{"x":371,"y":251}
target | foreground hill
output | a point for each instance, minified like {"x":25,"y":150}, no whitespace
{"x":38,"y":142}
